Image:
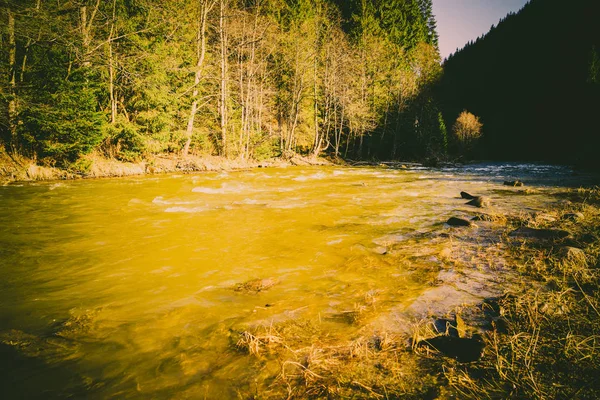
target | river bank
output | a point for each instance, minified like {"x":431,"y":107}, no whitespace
{"x":539,"y":338}
{"x":21,"y":169}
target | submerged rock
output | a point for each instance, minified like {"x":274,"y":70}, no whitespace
{"x":479,"y":201}
{"x":256,"y":285}
{"x":467,"y":196}
{"x":534,"y":233}
{"x":461,"y":349}
{"x":453,"y":221}
{"x":381,"y":250}
{"x":513,"y":183}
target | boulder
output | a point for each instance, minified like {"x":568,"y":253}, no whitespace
{"x":467,"y":196}
{"x":534,"y":233}
{"x":479,"y":201}
{"x":513,"y":183}
{"x":453,"y":221}
{"x":461,"y":349}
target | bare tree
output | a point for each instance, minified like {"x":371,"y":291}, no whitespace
{"x":205,"y":7}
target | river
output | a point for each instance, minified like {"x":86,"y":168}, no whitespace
{"x":134,"y":287}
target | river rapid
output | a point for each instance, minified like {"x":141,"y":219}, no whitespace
{"x":134,"y":287}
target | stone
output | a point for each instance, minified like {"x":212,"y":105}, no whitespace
{"x":513,"y":183}
{"x":256,"y":285}
{"x":445,"y":326}
{"x":453,"y":221}
{"x":381,"y":250}
{"x":534,"y":233}
{"x":500,"y":325}
{"x":467,"y":196}
{"x":479,"y":201}
{"x":573,"y":254}
{"x":463,"y":350}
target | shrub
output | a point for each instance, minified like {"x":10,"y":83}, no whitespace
{"x":467,"y":127}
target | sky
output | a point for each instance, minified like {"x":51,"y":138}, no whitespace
{"x":459,"y":21}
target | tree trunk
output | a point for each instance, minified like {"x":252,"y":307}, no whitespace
{"x":111,"y":81}
{"x":12,"y":83}
{"x":200,"y":54}
{"x":111,"y":68}
{"x":38,"y":6}
{"x":86,"y":32}
{"x":223,"y":105}
{"x":318,"y":139}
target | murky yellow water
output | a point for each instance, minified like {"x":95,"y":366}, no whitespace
{"x":125,"y":287}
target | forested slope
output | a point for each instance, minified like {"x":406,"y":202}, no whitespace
{"x":236,"y":78}
{"x":534,"y":80}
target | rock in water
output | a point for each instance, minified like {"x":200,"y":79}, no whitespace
{"x":453,"y":221}
{"x":513,"y":183}
{"x":479,"y":201}
{"x":534,"y":233}
{"x":256,"y":285}
{"x":461,"y":349}
{"x":467,"y":196}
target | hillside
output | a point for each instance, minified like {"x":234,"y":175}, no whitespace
{"x":534,"y":80}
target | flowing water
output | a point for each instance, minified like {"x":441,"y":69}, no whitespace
{"x":134,"y":287}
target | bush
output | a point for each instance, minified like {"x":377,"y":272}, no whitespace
{"x":467,"y":127}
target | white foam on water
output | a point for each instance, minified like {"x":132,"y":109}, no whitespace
{"x":389,"y":239}
{"x":161,"y":201}
{"x":190,"y":210}
{"x":161,"y":270}
{"x":287,"y":206}
{"x":225,"y":188}
{"x":250,"y":202}
{"x":304,"y":178}
{"x":56,"y":186}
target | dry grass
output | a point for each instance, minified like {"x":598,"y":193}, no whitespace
{"x":553,"y":339}
{"x":315,"y":364}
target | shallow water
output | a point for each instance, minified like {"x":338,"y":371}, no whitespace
{"x":126,"y":287}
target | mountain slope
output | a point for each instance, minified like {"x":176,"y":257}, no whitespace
{"x":534,"y":83}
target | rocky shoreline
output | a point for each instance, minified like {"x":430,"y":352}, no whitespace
{"x":18,"y":169}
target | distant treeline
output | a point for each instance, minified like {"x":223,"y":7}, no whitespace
{"x":534,"y":81}
{"x":237,"y":78}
